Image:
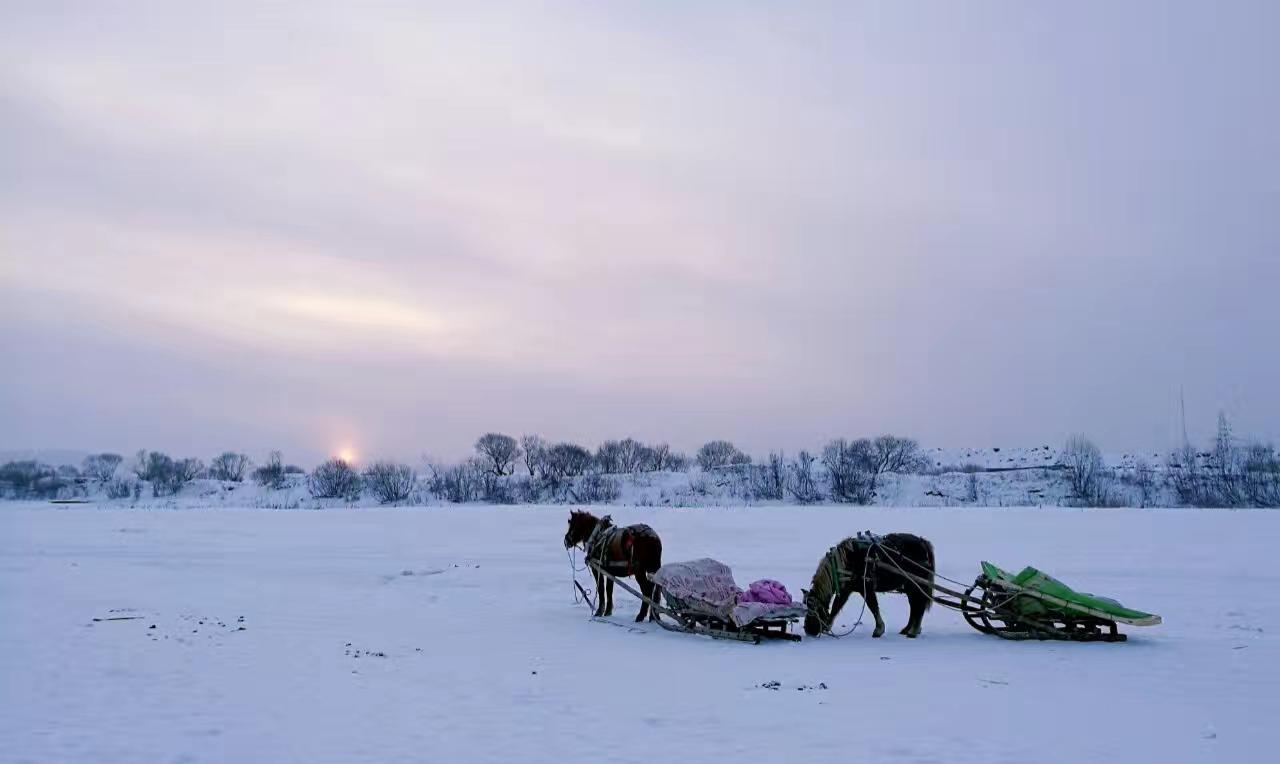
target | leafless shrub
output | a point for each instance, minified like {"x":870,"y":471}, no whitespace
{"x":596,"y":489}
{"x":1261,"y":476}
{"x":720,"y":453}
{"x":1144,"y":481}
{"x":101,"y":467}
{"x":1229,"y":475}
{"x":229,"y":466}
{"x":767,"y":481}
{"x":165,"y":474}
{"x":851,"y":470}
{"x":335,"y":479}
{"x":660,"y":457}
{"x":120,"y":488}
{"x":30,"y":479}
{"x":390,"y":482}
{"x":271,"y":475}
{"x":499,"y":451}
{"x":472,"y":480}
{"x":800,"y":480}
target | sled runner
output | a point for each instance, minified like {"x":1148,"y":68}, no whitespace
{"x":703,"y":598}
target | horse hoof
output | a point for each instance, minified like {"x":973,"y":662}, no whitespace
{"x":912,"y":634}
{"x":878,"y":633}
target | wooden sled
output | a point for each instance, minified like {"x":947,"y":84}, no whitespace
{"x":685,"y":616}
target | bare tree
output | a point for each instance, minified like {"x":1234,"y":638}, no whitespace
{"x":715,"y":454}
{"x":608,"y":457}
{"x":1084,"y":465}
{"x":500,"y":451}
{"x":656,"y":458}
{"x":229,"y":466}
{"x":896,"y":454}
{"x":631,"y":454}
{"x":566,"y":460}
{"x":1187,"y":476}
{"x":1144,"y":480}
{"x":390,"y":482}
{"x":535,"y":452}
{"x":101,"y":467}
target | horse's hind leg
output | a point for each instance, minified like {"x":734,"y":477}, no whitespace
{"x":646,"y":588}
{"x":873,"y":605}
{"x":919,"y":604}
{"x":608,"y":587}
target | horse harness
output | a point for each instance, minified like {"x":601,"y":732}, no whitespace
{"x":613,"y":548}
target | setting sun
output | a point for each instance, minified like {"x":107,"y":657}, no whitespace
{"x":347,"y":454}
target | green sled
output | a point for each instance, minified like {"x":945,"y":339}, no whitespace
{"x":1046,"y":595}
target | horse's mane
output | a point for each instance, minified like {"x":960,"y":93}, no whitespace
{"x":825,"y":581}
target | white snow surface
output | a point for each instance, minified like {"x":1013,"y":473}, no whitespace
{"x":450,"y":634}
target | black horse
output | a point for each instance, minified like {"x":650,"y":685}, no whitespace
{"x":851,"y":567}
{"x":634,"y":550}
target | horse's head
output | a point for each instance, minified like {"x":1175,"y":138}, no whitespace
{"x":813,"y":621}
{"x":580,"y":526}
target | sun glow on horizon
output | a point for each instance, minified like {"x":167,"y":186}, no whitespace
{"x":347,"y":454}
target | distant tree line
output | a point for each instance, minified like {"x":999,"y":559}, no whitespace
{"x":506,"y":470}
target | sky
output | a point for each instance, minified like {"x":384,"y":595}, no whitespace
{"x":389,"y":228}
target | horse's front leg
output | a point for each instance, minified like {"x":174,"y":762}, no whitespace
{"x":608,"y":587}
{"x":873,"y":605}
{"x":836,"y":606}
{"x":599,"y":577}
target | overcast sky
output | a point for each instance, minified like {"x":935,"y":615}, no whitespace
{"x":392,"y":229}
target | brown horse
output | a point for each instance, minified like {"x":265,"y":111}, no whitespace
{"x":634,"y":550}
{"x":851,"y":567}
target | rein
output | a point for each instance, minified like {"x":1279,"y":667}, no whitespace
{"x":579,"y":593}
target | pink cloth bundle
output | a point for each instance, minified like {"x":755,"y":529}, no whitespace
{"x":768,"y":591}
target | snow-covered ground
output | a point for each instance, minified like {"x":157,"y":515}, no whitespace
{"x":450,"y":634}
